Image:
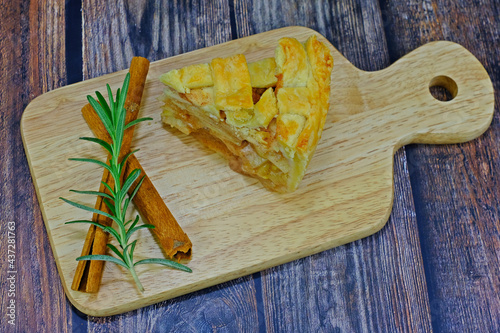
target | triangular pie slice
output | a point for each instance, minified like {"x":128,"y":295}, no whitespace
{"x":265,"y":117}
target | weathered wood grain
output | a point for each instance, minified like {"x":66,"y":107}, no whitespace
{"x":229,"y":307}
{"x":31,"y":63}
{"x":361,"y":287}
{"x":347,"y":288}
{"x":347,"y":195}
{"x":462,"y":275}
{"x":354,"y":27}
{"x":457,"y":187}
{"x":158,"y":30}
{"x":114,"y":32}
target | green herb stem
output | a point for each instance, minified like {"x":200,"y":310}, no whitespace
{"x":113,"y":117}
{"x":136,"y":279}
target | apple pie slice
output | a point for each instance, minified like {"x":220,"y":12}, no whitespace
{"x":265,"y":117}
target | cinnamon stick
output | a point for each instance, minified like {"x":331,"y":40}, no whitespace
{"x":152,"y":208}
{"x":148,"y":201}
{"x":89,"y":273}
{"x":175,"y":243}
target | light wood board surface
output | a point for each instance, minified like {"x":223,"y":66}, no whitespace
{"x":238,"y":227}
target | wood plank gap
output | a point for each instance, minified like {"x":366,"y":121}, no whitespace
{"x":74,"y":74}
{"x":424,"y":249}
{"x":388,"y":21}
{"x":261,"y":314}
{"x":417,"y":204}
{"x":232,"y":21}
{"x":73,"y":41}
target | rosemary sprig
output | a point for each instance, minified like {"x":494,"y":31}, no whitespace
{"x":112,"y":116}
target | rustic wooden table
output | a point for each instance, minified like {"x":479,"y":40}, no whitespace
{"x":433,"y":267}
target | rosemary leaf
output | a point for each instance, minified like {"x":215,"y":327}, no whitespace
{"x":134,"y":192}
{"x":132,"y":177}
{"x":103,"y":103}
{"x":103,"y":227}
{"x":135,"y":222}
{"x":110,"y":205}
{"x":102,"y":194}
{"x":132,"y":230}
{"x":90,"y":209}
{"x":103,"y":143}
{"x":164,"y":262}
{"x":110,"y":96}
{"x":91,"y":160}
{"x":128,"y":222}
{"x":109,"y":188}
{"x":103,"y":257}
{"x":106,"y":120}
{"x":116,"y":251}
{"x":135,"y":122}
{"x":132,"y":248}
{"x":125,"y":158}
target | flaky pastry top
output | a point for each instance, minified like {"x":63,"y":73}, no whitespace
{"x":287,"y":96}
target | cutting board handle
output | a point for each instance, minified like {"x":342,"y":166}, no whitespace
{"x":419,"y":117}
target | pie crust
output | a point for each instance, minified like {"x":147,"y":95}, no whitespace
{"x":265,"y":117}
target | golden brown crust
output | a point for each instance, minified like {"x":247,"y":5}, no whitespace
{"x":189,"y":77}
{"x":265,"y":110}
{"x":269,"y":114}
{"x":291,"y":62}
{"x":321,"y":61}
{"x":263,"y":73}
{"x":232,"y":87}
{"x":196,"y":76}
{"x":289,"y":127}
{"x":295,"y":100}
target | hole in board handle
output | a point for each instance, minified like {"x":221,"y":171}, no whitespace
{"x":443,"y":88}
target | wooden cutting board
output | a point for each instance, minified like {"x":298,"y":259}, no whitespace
{"x":238,"y":227}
